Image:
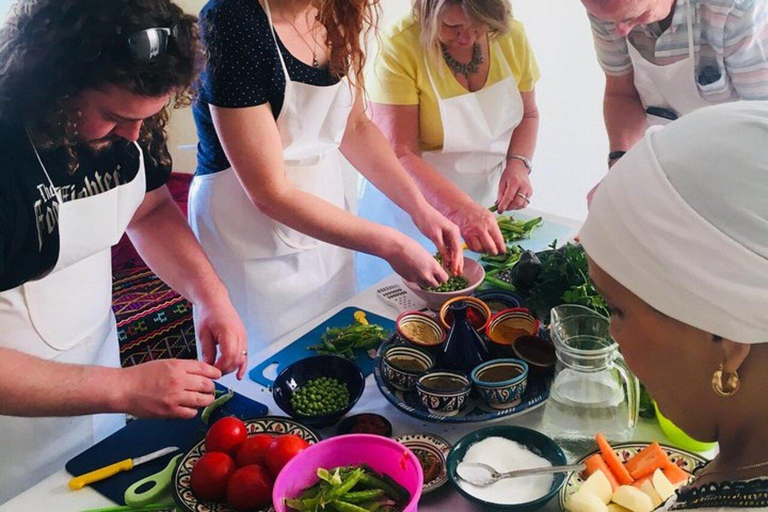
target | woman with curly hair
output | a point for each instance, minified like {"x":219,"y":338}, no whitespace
{"x":84,"y":92}
{"x":281,"y":102}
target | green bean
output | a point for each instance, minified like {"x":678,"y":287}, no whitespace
{"x":363,"y":496}
{"x":340,"y":506}
{"x":226,"y":397}
{"x":346,"y":486}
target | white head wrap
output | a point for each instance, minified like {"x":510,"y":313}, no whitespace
{"x":682,"y":221}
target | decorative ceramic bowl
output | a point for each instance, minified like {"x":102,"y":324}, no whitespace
{"x":383,"y":455}
{"x":508,"y":325}
{"x":421,"y":330}
{"x":501,"y":382}
{"x":183,"y":495}
{"x":535,"y":442}
{"x":366,"y":423}
{"x":299,"y":373}
{"x":478,"y":313}
{"x":686,"y":461}
{"x":498,"y":300}
{"x":537,"y":352}
{"x":435,"y":300}
{"x":402,"y":377}
{"x":432,"y":451}
{"x":443,"y":392}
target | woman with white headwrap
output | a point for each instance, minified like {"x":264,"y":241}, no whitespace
{"x":678,"y":243}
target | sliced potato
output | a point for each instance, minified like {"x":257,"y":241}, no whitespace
{"x":599,"y":485}
{"x":648,"y":489}
{"x":633,"y":498}
{"x":614,"y":507}
{"x":584,"y":502}
{"x":662,"y":485}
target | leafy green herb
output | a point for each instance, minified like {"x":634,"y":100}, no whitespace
{"x":564,"y":279}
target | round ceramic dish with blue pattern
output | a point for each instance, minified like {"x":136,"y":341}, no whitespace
{"x":443,"y":392}
{"x":501,"y":382}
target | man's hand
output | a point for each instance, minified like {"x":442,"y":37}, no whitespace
{"x":167,"y":388}
{"x":217,"y":325}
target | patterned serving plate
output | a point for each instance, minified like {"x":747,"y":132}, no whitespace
{"x":182,"y":490}
{"x":476,"y":410}
{"x":625,"y":451}
{"x":421,"y":444}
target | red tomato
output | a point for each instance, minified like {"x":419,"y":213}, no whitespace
{"x":250,"y":487}
{"x":282,"y":449}
{"x":253,"y":450}
{"x":210,"y":475}
{"x":225,"y":435}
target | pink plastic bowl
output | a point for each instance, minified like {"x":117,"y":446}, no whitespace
{"x":382,"y":454}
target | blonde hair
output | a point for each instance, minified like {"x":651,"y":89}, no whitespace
{"x":495,"y":14}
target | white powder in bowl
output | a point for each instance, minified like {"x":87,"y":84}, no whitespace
{"x":504,"y":455}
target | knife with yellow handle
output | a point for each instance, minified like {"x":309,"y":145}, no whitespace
{"x":97,"y":475}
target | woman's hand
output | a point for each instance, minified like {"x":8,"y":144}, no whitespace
{"x":414,"y":263}
{"x":444,"y":234}
{"x":515,"y":183}
{"x":167,"y":388}
{"x":217,"y":324}
{"x":479,"y":229}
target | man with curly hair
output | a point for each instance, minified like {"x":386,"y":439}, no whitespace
{"x":85,"y":88}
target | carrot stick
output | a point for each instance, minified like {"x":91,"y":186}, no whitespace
{"x":647,"y":461}
{"x":615,"y":465}
{"x":596,"y":463}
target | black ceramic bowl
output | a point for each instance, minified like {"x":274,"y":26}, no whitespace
{"x":534,"y":441}
{"x":305,"y":370}
{"x":365,"y":423}
{"x":500,"y":299}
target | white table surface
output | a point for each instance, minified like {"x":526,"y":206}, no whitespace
{"x":53,"y":493}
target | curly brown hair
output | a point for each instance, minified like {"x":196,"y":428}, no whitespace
{"x":52,"y":50}
{"x":348,"y":24}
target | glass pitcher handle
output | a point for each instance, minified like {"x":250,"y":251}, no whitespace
{"x":633,"y":390}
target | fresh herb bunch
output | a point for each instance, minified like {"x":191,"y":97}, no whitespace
{"x":351,"y":489}
{"x":564,"y":279}
{"x":342,"y":341}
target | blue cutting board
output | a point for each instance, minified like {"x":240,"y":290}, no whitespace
{"x":299,"y":348}
{"x":141,"y":437}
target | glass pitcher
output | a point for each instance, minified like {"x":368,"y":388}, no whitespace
{"x":593,"y":390}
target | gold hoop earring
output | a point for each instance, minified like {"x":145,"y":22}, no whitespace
{"x":727,"y":388}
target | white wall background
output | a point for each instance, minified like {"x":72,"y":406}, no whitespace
{"x":572,"y":143}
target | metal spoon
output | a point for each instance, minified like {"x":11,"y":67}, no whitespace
{"x":483,"y":475}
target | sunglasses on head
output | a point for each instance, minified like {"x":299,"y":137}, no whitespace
{"x":143,"y":46}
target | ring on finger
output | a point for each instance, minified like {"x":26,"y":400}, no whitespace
{"x":244,"y":352}
{"x":524,"y":197}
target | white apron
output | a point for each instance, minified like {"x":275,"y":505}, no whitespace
{"x":66,"y":317}
{"x":277,"y":277}
{"x":674,"y":86}
{"x":477,"y":129}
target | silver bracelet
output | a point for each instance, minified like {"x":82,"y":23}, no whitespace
{"x":526,"y":161}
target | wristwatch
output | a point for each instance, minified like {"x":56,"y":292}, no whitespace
{"x":526,"y":161}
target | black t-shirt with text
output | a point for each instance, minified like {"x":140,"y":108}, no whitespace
{"x":29,"y":235}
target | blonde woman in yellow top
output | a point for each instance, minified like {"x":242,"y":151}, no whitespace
{"x":453,"y":91}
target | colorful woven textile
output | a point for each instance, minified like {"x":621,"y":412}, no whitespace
{"x":153,"y":321}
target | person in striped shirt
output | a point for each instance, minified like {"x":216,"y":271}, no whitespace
{"x":665,"y":58}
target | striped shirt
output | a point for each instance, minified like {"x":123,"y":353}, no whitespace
{"x":730,"y":39}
